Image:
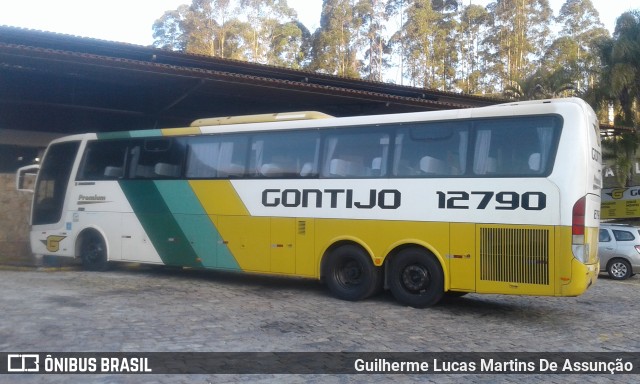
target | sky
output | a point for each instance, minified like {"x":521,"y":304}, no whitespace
{"x":130,"y":21}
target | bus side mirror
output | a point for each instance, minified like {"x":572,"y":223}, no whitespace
{"x":26,"y":177}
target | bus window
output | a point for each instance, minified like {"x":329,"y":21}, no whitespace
{"x":53,"y":178}
{"x":433,"y":149}
{"x":103,"y":160}
{"x":523,"y":146}
{"x":361,"y":154}
{"x":210,"y":157}
{"x":285,"y":154}
{"x":156,"y":158}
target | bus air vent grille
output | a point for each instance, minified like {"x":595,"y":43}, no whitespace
{"x":302,"y":227}
{"x":514,"y":255}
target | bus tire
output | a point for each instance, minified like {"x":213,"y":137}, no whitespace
{"x":416,"y":278}
{"x":350,"y":274}
{"x":93,"y":252}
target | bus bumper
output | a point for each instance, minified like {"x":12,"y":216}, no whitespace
{"x":583,"y":276}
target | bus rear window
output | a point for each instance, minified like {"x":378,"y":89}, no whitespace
{"x":522,"y":146}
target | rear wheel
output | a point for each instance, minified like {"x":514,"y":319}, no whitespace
{"x":619,"y":269}
{"x":93,"y":252}
{"x":416,"y":278}
{"x":350,"y":274}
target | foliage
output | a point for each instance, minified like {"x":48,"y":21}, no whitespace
{"x":621,"y":152}
{"x":520,"y":29}
{"x":335,"y":43}
{"x":620,"y":90}
{"x":621,"y":70}
{"x":263,"y":31}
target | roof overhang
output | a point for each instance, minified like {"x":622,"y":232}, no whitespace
{"x":66,"y":84}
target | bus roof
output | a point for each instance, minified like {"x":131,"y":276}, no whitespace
{"x":261,"y":118}
{"x":295,"y":120}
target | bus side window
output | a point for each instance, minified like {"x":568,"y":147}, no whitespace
{"x":210,"y":157}
{"x":103,"y":160}
{"x":285,"y":154}
{"x":356,"y":154}
{"x":156,"y":158}
{"x":431,"y":149}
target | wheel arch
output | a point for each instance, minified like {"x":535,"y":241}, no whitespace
{"x":337,"y":243}
{"x":616,"y":258}
{"x":82,"y":236}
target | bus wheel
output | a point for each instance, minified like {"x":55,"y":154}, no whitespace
{"x":416,"y":278}
{"x":350,"y":274}
{"x":93,"y":252}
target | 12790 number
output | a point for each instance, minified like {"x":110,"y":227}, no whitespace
{"x":530,"y":201}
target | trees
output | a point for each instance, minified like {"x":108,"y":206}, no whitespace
{"x":200,"y":28}
{"x":620,"y":84}
{"x":426,"y":41}
{"x":520,"y":29}
{"x":620,"y":89}
{"x":575,"y":50}
{"x":169,"y":30}
{"x":472,"y":29}
{"x":507,"y":48}
{"x":620,"y":151}
{"x":414,"y":40}
{"x":336,"y":42}
{"x":374,"y":15}
{"x":271,"y":34}
{"x":264,"y":31}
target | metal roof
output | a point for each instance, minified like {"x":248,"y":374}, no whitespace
{"x":58,"y":83}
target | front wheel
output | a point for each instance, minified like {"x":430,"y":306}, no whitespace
{"x":93,"y":252}
{"x":619,"y":269}
{"x":350,"y":274}
{"x":416,"y":278}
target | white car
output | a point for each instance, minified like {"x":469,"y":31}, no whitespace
{"x":619,"y":250}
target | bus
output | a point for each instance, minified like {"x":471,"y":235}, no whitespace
{"x":502,"y":199}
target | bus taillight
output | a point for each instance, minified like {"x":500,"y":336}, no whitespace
{"x":577,"y":230}
{"x":577,"y":222}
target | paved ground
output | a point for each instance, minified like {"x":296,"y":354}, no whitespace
{"x":133,"y":309}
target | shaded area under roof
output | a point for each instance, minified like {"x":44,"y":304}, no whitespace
{"x":66,"y":84}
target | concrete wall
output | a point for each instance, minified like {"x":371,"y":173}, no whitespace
{"x":14,"y":224}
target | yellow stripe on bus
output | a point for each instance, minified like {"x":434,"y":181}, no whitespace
{"x":218,"y":197}
{"x":181,"y":131}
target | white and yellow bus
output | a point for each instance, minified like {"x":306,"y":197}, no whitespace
{"x":502,"y":199}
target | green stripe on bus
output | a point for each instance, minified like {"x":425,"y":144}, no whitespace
{"x":146,"y":133}
{"x":129,"y":134}
{"x":113,"y":135}
{"x":159,"y":223}
{"x":196,"y":224}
